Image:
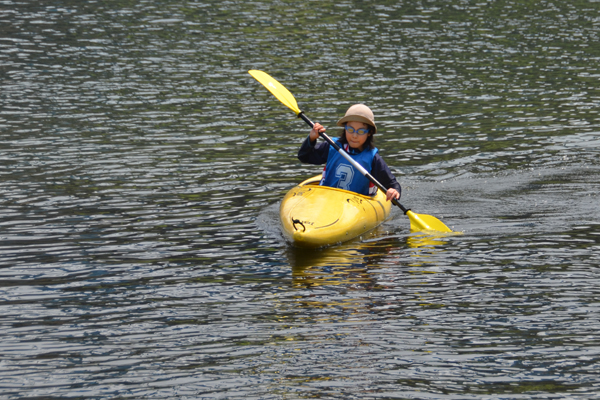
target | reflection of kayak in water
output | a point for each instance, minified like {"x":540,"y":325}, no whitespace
{"x":346,"y":265}
{"x":375,"y":263}
{"x":315,"y":216}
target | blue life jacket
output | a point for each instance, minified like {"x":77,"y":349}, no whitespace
{"x":339,"y":173}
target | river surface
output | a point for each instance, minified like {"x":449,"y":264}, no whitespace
{"x":141,"y":169}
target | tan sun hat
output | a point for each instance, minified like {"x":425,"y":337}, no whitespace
{"x":360,"y":113}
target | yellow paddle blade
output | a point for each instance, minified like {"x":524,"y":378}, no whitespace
{"x":278,"y":90}
{"x":424,"y":222}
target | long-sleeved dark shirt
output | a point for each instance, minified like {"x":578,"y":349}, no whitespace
{"x":317,"y":153}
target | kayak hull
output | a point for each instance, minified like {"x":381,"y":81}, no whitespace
{"x":316,"y":216}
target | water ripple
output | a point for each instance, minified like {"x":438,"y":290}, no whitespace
{"x":142,"y":168}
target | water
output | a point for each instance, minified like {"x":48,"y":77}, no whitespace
{"x":141,"y":170}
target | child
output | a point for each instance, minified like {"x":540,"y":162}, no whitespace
{"x":357,"y":140}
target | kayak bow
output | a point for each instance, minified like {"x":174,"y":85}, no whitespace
{"x":316,"y":216}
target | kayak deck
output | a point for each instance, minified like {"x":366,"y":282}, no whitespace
{"x":316,"y":216}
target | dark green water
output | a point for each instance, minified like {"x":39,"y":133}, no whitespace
{"x":141,"y":169}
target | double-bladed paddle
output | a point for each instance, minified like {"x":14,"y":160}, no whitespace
{"x":418,"y":222}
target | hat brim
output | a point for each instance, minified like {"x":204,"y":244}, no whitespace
{"x":357,"y":118}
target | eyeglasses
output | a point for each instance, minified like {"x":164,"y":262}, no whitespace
{"x":359,"y":132}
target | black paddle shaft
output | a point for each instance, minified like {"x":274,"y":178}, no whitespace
{"x":341,"y":151}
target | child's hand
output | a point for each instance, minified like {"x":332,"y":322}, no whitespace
{"x":392,"y":194}
{"x":314,"y":133}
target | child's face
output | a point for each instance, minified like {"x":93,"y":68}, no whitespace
{"x":355,"y":140}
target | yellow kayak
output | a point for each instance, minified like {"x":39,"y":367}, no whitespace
{"x":317,"y":216}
